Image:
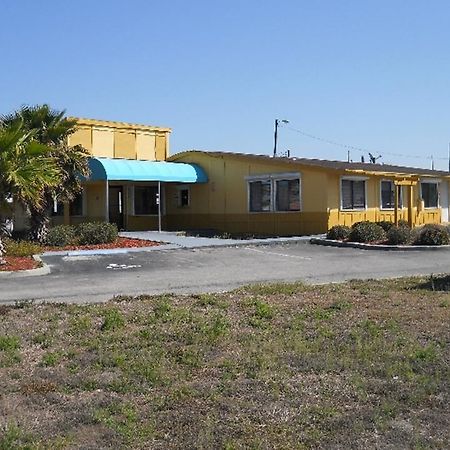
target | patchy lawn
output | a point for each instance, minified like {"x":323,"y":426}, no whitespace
{"x":357,"y":365}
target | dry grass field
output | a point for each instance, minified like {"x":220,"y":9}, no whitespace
{"x":354,"y":365}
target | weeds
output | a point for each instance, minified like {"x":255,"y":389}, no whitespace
{"x":335,"y":366}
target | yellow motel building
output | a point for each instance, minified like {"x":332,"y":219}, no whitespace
{"x":137,"y":185}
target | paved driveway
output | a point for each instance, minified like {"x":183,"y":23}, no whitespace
{"x":98,"y":278}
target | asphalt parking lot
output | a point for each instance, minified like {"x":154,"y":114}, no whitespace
{"x":98,"y":278}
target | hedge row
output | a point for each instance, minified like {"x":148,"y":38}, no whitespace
{"x":402,"y":234}
{"x":90,"y":233}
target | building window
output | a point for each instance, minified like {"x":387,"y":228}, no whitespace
{"x":430,"y":194}
{"x":388,"y":195}
{"x":184,"y":197}
{"x":353,"y":194}
{"x":275,"y":193}
{"x":288,"y":195}
{"x":260,"y":195}
{"x":76,"y":205}
{"x":145,"y":200}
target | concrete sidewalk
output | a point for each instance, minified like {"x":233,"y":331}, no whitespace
{"x":180,"y":240}
{"x":171,"y":240}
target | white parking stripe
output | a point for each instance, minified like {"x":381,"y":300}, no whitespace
{"x":279,"y":254}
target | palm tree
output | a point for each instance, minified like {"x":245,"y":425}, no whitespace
{"x":27,"y":168}
{"x":53,"y":129}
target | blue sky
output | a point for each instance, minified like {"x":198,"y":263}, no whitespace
{"x":372,"y":74}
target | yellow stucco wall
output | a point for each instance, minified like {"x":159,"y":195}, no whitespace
{"x":122,"y":140}
{"x":222,"y":203}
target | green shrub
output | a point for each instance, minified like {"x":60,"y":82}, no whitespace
{"x":61,"y":235}
{"x":399,"y":235}
{"x":385,"y":224}
{"x":96,"y":233}
{"x":21,"y":248}
{"x":403,"y":223}
{"x":433,"y":234}
{"x":338,"y":232}
{"x":366,"y":232}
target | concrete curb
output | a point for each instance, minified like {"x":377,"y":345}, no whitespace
{"x":44,"y":270}
{"x":362,"y":246}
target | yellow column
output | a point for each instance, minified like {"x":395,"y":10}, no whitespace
{"x":410,"y":205}
{"x":396,"y":204}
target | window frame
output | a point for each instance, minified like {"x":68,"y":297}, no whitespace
{"x":272,"y":178}
{"x":436,"y":183}
{"x":133,"y":197}
{"x":179,"y":190}
{"x":400,"y":206}
{"x":352,"y":178}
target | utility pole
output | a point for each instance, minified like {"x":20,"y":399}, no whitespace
{"x":275,"y":135}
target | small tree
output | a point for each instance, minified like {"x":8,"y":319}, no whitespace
{"x":52,"y":128}
{"x":27,"y":169}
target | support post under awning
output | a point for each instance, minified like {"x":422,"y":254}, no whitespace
{"x":107,"y":201}
{"x":159,"y":206}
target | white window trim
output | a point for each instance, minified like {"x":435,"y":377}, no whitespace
{"x":435,"y":181}
{"x":273,"y":178}
{"x":381,"y":196}
{"x":183,"y":188}
{"x":132,"y":197}
{"x":353,"y":178}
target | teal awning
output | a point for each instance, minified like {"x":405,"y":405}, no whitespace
{"x":137,"y":170}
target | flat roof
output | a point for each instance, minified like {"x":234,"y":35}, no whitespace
{"x":321,"y":163}
{"x":119,"y":125}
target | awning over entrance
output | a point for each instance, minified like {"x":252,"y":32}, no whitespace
{"x":138,"y":170}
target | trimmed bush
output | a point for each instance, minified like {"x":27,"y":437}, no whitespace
{"x":338,"y":232}
{"x":433,"y":234}
{"x":403,"y":223}
{"x":21,"y":248}
{"x":96,"y":233}
{"x":60,"y":236}
{"x":385,"y":224}
{"x":400,"y":235}
{"x":366,"y":232}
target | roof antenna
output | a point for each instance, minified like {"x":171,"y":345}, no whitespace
{"x":373,"y":159}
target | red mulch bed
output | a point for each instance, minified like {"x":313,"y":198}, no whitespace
{"x":14,"y":263}
{"x":121,"y":242}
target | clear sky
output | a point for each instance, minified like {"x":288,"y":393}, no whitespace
{"x":373,"y":74}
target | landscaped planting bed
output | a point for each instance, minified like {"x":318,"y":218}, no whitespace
{"x":386,"y":233}
{"x":16,"y":263}
{"x":121,"y":242}
{"x":355,"y":365}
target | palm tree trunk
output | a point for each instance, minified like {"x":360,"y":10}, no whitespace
{"x":2,"y":252}
{"x":39,"y":224}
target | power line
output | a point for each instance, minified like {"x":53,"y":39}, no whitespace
{"x":360,"y":149}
